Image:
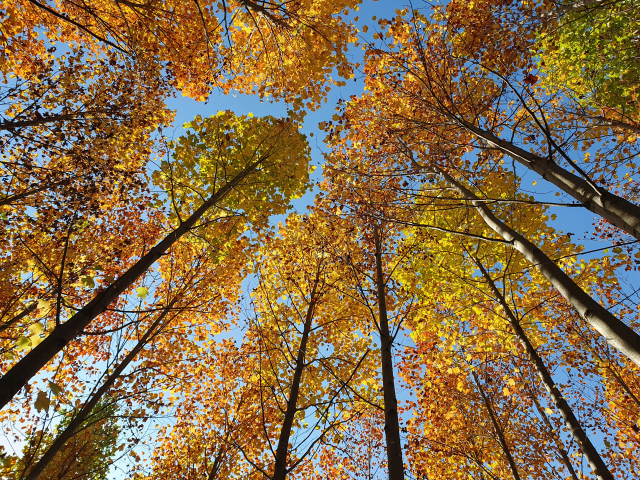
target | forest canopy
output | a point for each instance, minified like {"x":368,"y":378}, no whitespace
{"x":201,"y":305}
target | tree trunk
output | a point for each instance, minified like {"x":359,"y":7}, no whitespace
{"x":616,"y":210}
{"x":617,"y":333}
{"x":62,"y":438}
{"x":280,"y":471}
{"x":391,"y":420}
{"x":558,"y":441}
{"x":30,"y":364}
{"x":593,"y":457}
{"x":496,"y":427}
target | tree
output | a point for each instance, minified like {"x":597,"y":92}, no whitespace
{"x":371,"y":275}
{"x":412,"y":92}
{"x":460,"y":329}
{"x":244,"y":149}
{"x":125,"y":257}
{"x":369,"y":158}
{"x":413,"y":75}
{"x":309,"y":355}
{"x":590,"y":50}
{"x":264,"y":407}
{"x":281,"y":50}
{"x":88,"y":454}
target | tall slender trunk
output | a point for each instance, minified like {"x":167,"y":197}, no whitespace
{"x":30,"y":364}
{"x":280,"y":471}
{"x":391,"y":420}
{"x":497,"y":428}
{"x":616,"y":210}
{"x":593,"y":457}
{"x":617,"y":333}
{"x":68,"y":432}
{"x":558,"y":441}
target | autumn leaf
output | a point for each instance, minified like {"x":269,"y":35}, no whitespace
{"x":36,"y":328}
{"x":142,"y":292}
{"x":23,"y":343}
{"x":55,"y":389}
{"x":42,"y":401}
{"x":44,"y":304}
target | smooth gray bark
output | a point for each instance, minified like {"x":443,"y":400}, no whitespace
{"x":617,"y":333}
{"x":616,"y":210}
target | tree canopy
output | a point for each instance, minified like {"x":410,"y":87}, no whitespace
{"x":166,"y":313}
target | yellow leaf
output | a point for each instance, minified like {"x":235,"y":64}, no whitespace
{"x":44,"y":304}
{"x":35,"y":340}
{"x":23,"y":343}
{"x":36,"y":328}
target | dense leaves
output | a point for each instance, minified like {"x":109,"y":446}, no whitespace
{"x":429,"y":316}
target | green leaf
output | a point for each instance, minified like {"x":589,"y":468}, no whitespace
{"x":87,"y":280}
{"x":42,"y":402}
{"x":617,"y":250}
{"x":142,"y":292}
{"x":55,"y":389}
